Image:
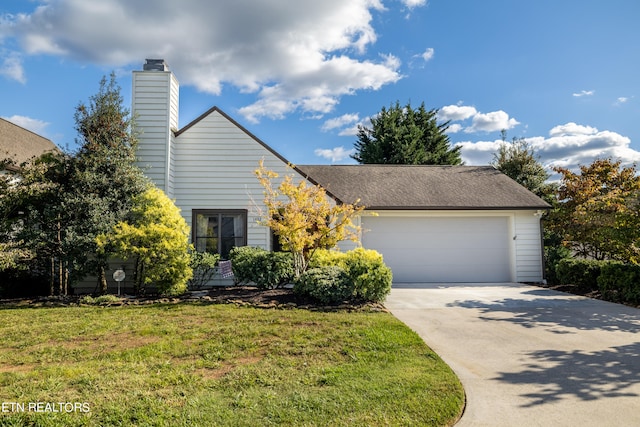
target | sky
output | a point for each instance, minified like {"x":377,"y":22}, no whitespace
{"x":301,"y":75}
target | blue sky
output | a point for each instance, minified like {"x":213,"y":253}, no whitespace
{"x":301,"y":75}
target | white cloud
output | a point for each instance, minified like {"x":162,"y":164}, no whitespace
{"x":427,"y":55}
{"x":11,"y":67}
{"x":568,"y":145}
{"x":572,"y":129}
{"x":414,"y":3}
{"x":456,"y":112}
{"x":295,"y":56}
{"x":622,"y":100}
{"x":454,"y":128}
{"x":480,"y":122}
{"x":34,"y":125}
{"x":334,"y":154}
{"x":339,"y":122}
{"x":491,"y":122}
{"x":584,"y":93}
{"x":350,"y":130}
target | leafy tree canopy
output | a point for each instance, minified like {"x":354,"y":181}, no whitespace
{"x":62,"y":201}
{"x":403,"y":135}
{"x":599,"y":215}
{"x":517,"y":159}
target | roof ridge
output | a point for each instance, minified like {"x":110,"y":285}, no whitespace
{"x":26,"y":130}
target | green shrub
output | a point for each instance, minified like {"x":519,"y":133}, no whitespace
{"x":267,"y":270}
{"x":620,"y":282}
{"x":580,"y":272}
{"x":552,"y":257}
{"x":326,"y":258}
{"x":203,"y":265}
{"x":328,"y":284}
{"x":370,"y":275}
{"x":102,"y":299}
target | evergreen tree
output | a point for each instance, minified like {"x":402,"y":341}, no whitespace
{"x":403,"y":135}
{"x":63,"y":201}
{"x":106,"y":175}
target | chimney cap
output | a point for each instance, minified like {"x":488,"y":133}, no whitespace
{"x":155,"y":65}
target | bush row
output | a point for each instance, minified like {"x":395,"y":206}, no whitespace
{"x":583,"y":273}
{"x":620,"y":282}
{"x":332,"y":276}
{"x":267,"y":270}
{"x":615,"y":280}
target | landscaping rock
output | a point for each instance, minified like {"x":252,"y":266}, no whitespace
{"x":241,"y":296}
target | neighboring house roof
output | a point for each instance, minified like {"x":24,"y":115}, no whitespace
{"x":21,"y":144}
{"x":385,"y":187}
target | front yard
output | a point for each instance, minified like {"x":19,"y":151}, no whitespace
{"x":206,"y":365}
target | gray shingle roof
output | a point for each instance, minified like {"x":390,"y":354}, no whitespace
{"x":423,"y":187}
{"x":21,"y":144}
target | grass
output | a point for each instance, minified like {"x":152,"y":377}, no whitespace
{"x":209,"y":365}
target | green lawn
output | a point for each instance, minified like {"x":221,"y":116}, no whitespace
{"x":207,"y":365}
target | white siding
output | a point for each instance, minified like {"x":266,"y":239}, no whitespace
{"x":155,"y":108}
{"x":529,"y":267}
{"x":214,"y":166}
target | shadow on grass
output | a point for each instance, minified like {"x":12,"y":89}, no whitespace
{"x":587,"y":376}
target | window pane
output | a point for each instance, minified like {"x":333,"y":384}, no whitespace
{"x":206,"y":235}
{"x":207,"y":225}
{"x":219,"y":232}
{"x":232,"y":233}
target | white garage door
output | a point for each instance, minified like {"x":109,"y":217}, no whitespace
{"x":439,"y":249}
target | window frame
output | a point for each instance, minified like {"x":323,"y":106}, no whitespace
{"x":219,"y":212}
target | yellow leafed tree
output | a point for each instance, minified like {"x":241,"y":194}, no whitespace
{"x":304,"y":218}
{"x":157,"y":237}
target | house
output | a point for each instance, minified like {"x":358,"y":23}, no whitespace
{"x":434,"y":223}
{"x":443,"y":223}
{"x":20,"y":145}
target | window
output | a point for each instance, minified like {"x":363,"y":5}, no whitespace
{"x":217,"y":232}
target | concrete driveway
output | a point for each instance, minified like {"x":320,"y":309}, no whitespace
{"x":529,"y":356}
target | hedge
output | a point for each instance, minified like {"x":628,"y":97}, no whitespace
{"x":328,"y":284}
{"x":370,"y":276}
{"x":267,"y":270}
{"x":580,"y":272}
{"x":620,"y":282}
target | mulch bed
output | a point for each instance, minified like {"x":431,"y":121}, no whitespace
{"x":282,"y":298}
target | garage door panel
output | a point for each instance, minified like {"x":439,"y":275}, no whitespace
{"x":441,"y":249}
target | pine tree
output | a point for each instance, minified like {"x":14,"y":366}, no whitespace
{"x":107,"y":177}
{"x":403,"y":135}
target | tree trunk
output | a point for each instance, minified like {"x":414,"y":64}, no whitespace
{"x":60,"y":277}
{"x":52,"y":276}
{"x":66,"y":278}
{"x":102,"y":280}
{"x":138,"y":277}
